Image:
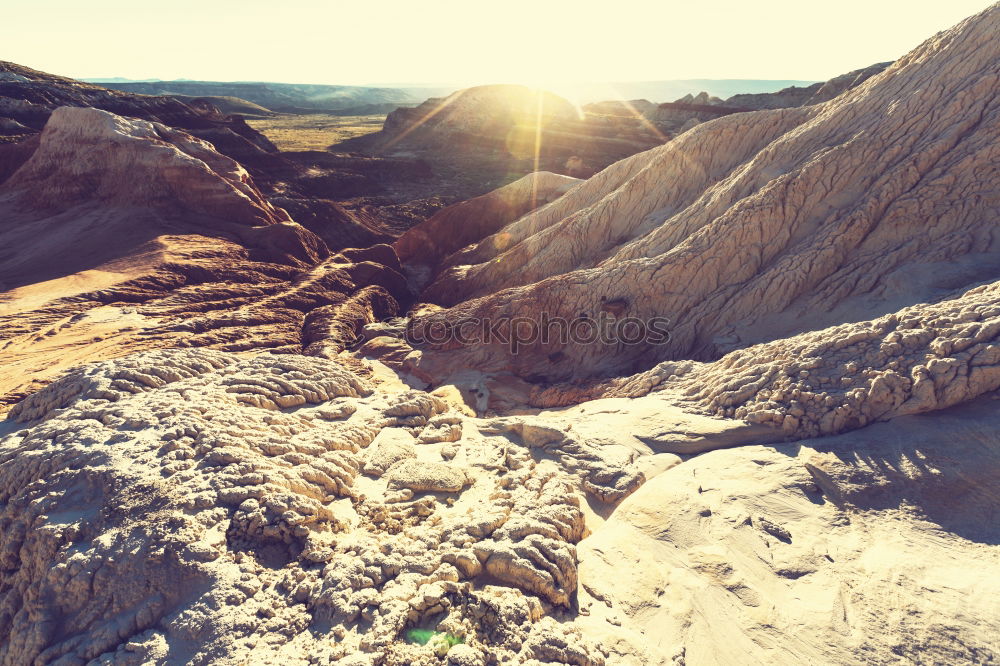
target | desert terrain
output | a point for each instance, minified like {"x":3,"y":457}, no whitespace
{"x":496,"y":378}
{"x":315,"y":131}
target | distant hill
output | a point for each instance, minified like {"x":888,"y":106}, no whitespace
{"x":669,"y":90}
{"x":227,"y":104}
{"x":283,"y":97}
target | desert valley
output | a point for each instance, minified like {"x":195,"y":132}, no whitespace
{"x":438,"y":375}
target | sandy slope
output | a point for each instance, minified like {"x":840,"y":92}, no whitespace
{"x":876,"y":546}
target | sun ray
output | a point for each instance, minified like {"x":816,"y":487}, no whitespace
{"x":634,"y":112}
{"x":538,"y":146}
{"x":445,"y":103}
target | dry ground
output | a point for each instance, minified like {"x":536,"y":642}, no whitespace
{"x":314,"y":131}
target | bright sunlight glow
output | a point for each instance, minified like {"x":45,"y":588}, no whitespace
{"x":548,"y":43}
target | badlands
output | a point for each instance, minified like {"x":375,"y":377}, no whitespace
{"x":232,"y":436}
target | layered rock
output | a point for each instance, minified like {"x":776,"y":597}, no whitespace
{"x":424,"y":247}
{"x":28,"y":97}
{"x":309,"y":181}
{"x":756,"y":226}
{"x":121,"y":235}
{"x":506,"y":128}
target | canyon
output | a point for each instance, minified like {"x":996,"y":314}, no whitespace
{"x":251,"y":418}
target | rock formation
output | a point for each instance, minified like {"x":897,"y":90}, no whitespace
{"x":807,"y":95}
{"x":507,"y":128}
{"x":426,"y":245}
{"x":799,"y":468}
{"x":308,"y":181}
{"x":123,"y":234}
{"x":485,"y":117}
{"x":513,"y":128}
{"x":208,"y":508}
{"x":688,"y":111}
{"x":28,"y":97}
{"x":201,"y":507}
{"x":758,"y":226}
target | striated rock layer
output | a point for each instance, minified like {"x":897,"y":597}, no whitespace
{"x":120,"y":235}
{"x":828,"y":270}
{"x":756,"y":226}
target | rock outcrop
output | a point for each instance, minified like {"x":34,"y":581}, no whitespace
{"x":484,"y":117}
{"x":807,"y":95}
{"x":28,"y":97}
{"x":759,"y":226}
{"x":197,"y":506}
{"x":193,"y":506}
{"x":507,"y":128}
{"x":310,"y":181}
{"x":690,"y":110}
{"x":424,"y":247}
{"x":120,"y":235}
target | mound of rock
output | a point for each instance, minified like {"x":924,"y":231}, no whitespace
{"x":485,"y":117}
{"x":99,"y":183}
{"x":123,"y":234}
{"x":500,"y":129}
{"x":760,"y":226}
{"x":201,"y":507}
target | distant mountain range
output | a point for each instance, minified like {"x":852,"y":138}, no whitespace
{"x":669,"y":90}
{"x":294,"y":97}
{"x":285,"y":97}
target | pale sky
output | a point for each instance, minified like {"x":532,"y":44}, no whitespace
{"x":466,"y":41}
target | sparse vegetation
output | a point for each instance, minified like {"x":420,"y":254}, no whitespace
{"x":314,"y":131}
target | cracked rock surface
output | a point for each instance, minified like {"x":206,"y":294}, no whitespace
{"x":199,"y":507}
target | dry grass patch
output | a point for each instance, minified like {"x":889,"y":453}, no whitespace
{"x":314,"y":131}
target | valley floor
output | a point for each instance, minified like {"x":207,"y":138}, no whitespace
{"x":314,"y":131}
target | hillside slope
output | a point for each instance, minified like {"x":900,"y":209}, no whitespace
{"x":758,"y":226}
{"x":121,"y":234}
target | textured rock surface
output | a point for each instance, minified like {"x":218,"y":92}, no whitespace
{"x":199,"y":507}
{"x":757,"y":226}
{"x":193,"y":506}
{"x":121,"y":235}
{"x":828,"y":270}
